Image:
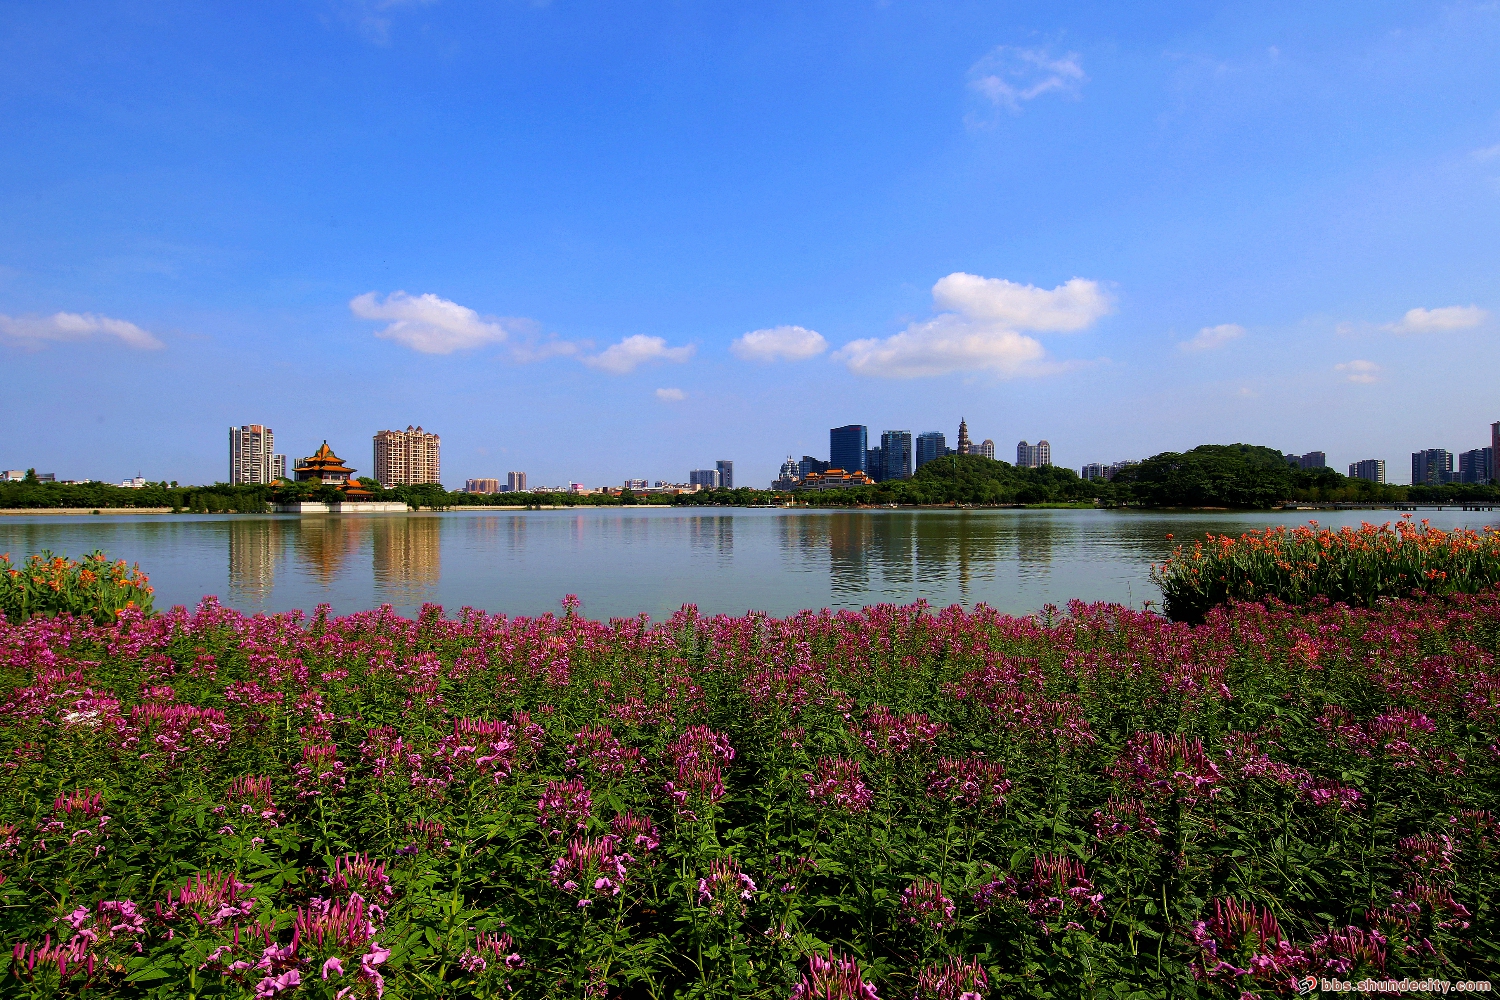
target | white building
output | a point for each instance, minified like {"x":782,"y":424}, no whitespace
{"x":252,"y":456}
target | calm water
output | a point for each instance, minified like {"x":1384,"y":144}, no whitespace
{"x":653,"y":560}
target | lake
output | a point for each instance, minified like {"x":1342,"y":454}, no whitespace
{"x":625,"y":561}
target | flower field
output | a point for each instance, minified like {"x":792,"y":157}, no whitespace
{"x":1350,"y":566}
{"x":897,"y":803}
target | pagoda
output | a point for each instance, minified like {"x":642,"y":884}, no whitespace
{"x":965,"y":446}
{"x":326,"y":467}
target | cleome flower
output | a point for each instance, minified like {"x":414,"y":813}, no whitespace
{"x":838,"y":782}
{"x":924,"y":905}
{"x":590,"y":866}
{"x":725,"y":889}
{"x":955,"y":979}
{"x":832,"y":978}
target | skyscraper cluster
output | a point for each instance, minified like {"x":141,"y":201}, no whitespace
{"x":852,"y":461}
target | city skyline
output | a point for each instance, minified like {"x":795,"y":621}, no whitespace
{"x":1130,"y":230}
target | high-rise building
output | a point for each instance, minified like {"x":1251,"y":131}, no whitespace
{"x":1431,"y":467}
{"x":847,"y":446}
{"x":515,"y":482}
{"x":481,"y":486}
{"x":1312,"y":460}
{"x":789,"y":477}
{"x":636,"y":484}
{"x":875,"y":463}
{"x":706,"y":478}
{"x":895,"y":448}
{"x":252,"y":457}
{"x":931,"y":445}
{"x":1476,"y":465}
{"x":1033,"y":456}
{"x":1494,"y":444}
{"x":725,"y":469}
{"x":809,"y":465}
{"x":1372,"y":469}
{"x":407,"y":458}
{"x":1094,"y":470}
{"x":987,"y":448}
{"x":963,"y":437}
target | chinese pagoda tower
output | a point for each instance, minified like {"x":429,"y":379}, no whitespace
{"x":323,"y":466}
{"x":964,"y":447}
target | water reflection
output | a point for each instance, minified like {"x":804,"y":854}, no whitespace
{"x":407,"y":558}
{"x":254,"y":551}
{"x":621,"y":562}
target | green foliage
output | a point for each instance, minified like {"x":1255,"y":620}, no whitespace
{"x":1358,"y":567}
{"x":93,"y":587}
{"x":215,"y":499}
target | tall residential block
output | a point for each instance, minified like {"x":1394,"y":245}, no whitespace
{"x":252,"y":457}
{"x":1312,"y":460}
{"x":706,"y":478}
{"x":725,"y":468}
{"x":481,"y":486}
{"x":1431,"y":467}
{"x":987,"y":449}
{"x":931,"y":445}
{"x":1476,"y":465}
{"x":407,"y":458}
{"x":1033,"y":456}
{"x":1372,"y":469}
{"x":515,"y":482}
{"x":895,"y":448}
{"x":847,"y":446}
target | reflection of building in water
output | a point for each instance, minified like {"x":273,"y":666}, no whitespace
{"x":254,"y":547}
{"x":324,"y":543}
{"x":407,"y":555}
{"x":849,"y":537}
{"x":714,"y":532}
{"x":1035,"y":538}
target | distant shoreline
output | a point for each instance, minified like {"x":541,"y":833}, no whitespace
{"x":1290,"y":508}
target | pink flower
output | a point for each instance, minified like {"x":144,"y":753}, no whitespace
{"x":838,"y":782}
{"x":832,"y":978}
{"x":924,"y":905}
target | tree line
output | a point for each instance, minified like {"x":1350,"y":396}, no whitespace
{"x":1235,"y":475}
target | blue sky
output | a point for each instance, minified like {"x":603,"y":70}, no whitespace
{"x":599,"y":241}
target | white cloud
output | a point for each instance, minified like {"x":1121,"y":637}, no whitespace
{"x":1488,"y":153}
{"x":671,"y":395}
{"x":427,"y":323}
{"x":1439,"y":320}
{"x":792,"y":343}
{"x":34,"y":331}
{"x":1211,"y":337}
{"x":981,"y":331}
{"x":1363,"y":372}
{"x":1072,"y":306}
{"x":624,"y":357}
{"x":1010,"y":76}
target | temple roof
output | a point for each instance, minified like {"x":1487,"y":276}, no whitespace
{"x":324,"y":460}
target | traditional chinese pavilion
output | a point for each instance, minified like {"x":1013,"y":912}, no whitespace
{"x":326,"y":467}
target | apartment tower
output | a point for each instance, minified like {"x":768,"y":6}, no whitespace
{"x":1372,"y":469}
{"x":406,"y":458}
{"x":515,"y":482}
{"x":252,"y":458}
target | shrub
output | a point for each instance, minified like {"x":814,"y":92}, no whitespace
{"x":49,"y":585}
{"x":1349,"y":566}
